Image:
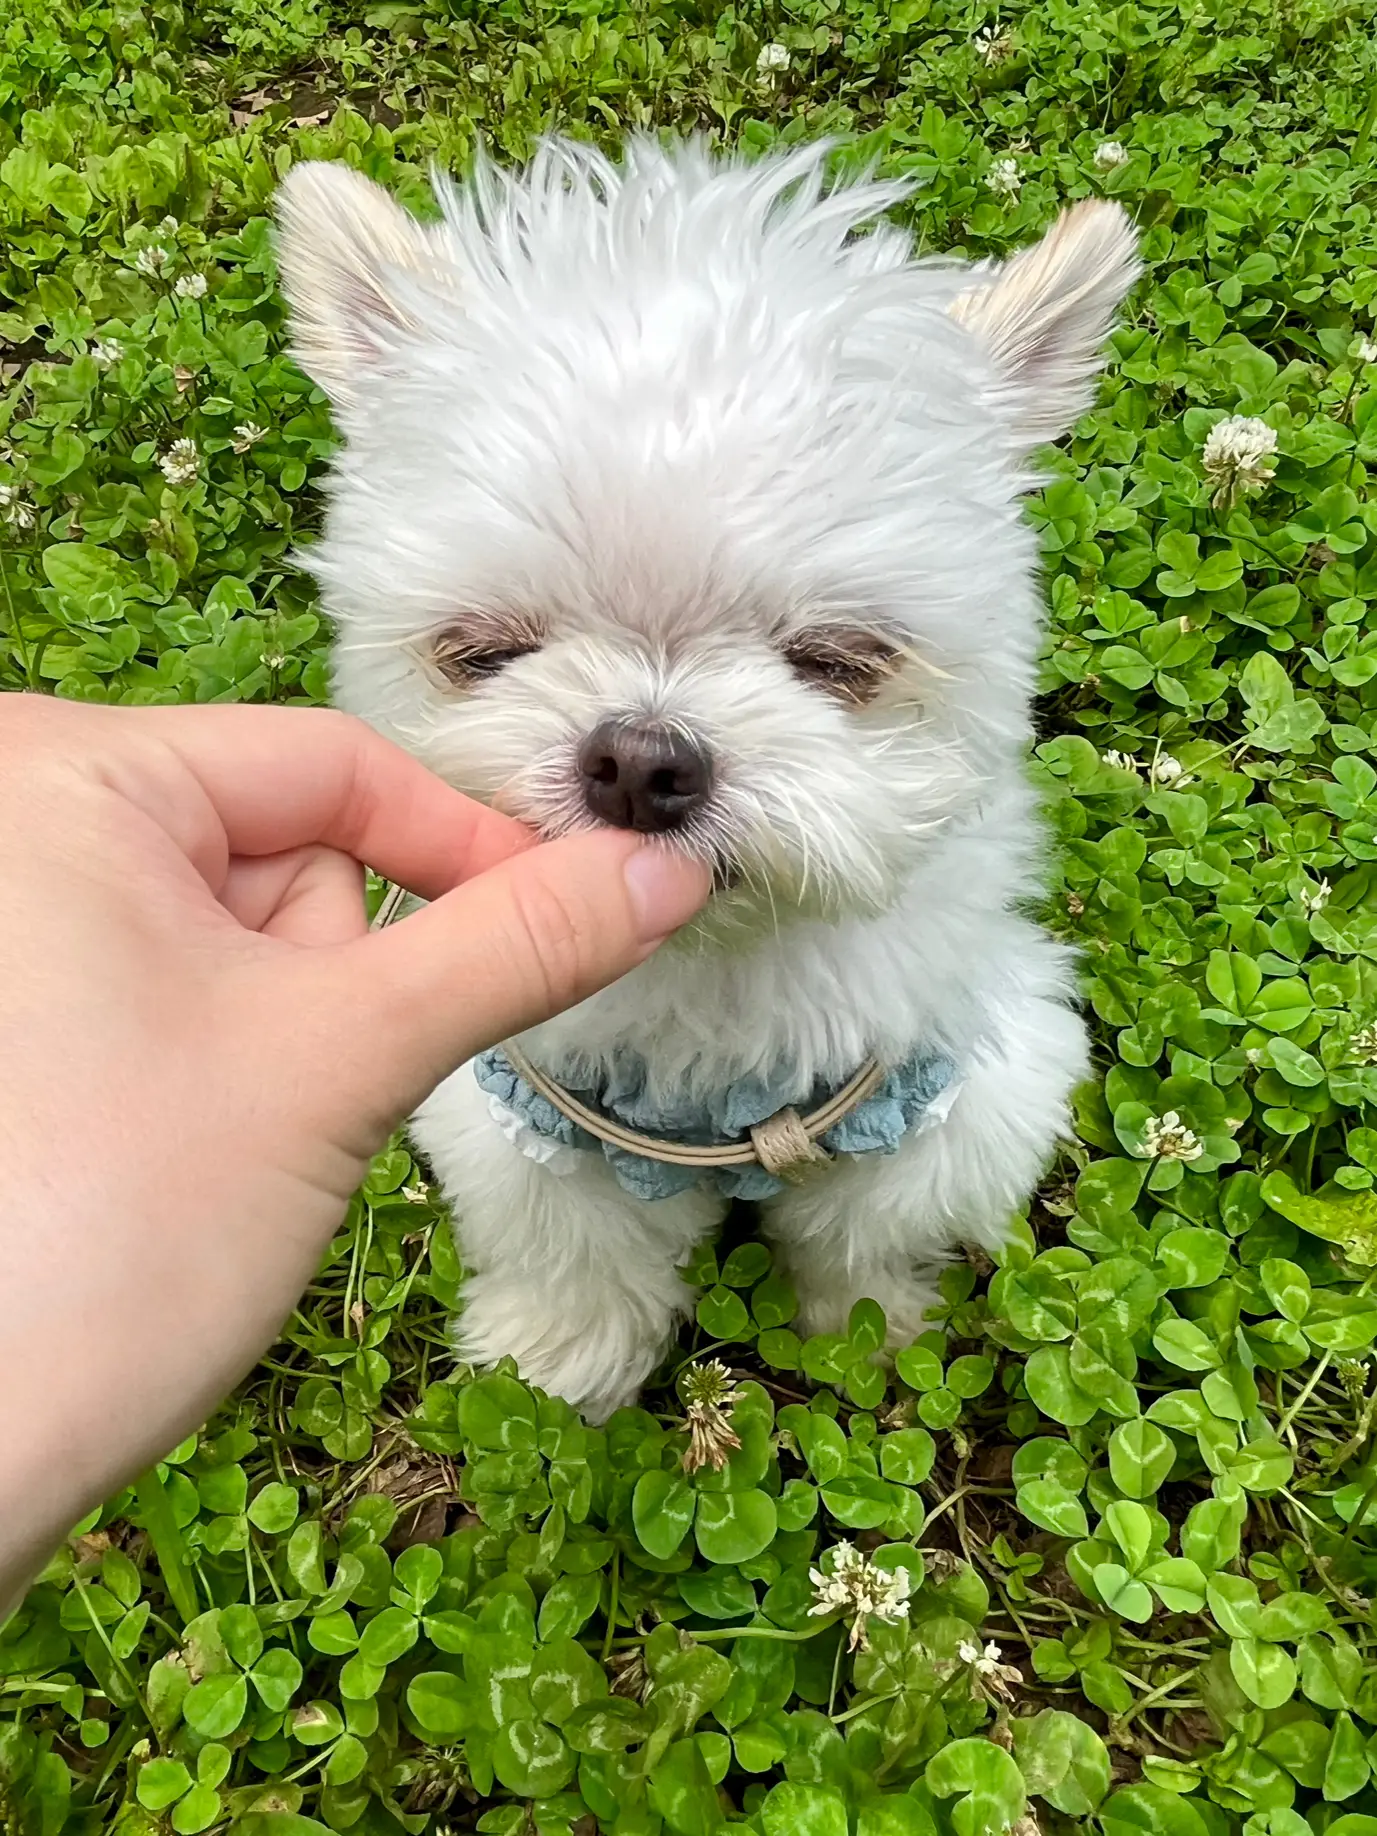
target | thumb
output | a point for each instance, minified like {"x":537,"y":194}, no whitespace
{"x":507,"y":949}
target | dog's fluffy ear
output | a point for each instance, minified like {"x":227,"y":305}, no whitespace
{"x":1045,"y":313}
{"x":343,"y":245}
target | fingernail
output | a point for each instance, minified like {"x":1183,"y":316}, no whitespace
{"x":665,"y":888}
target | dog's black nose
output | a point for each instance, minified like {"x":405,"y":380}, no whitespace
{"x":640,"y":774}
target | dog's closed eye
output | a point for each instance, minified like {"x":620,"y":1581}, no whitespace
{"x":842,"y":660}
{"x":479,"y":646}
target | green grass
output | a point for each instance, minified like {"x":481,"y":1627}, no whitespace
{"x":1137,"y":1455}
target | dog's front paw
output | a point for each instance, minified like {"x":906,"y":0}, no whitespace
{"x":595,"y":1349}
{"x":906,"y":1302}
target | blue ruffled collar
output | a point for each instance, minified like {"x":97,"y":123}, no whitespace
{"x":910,"y":1092}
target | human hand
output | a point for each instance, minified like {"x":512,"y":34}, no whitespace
{"x":201,"y":1046}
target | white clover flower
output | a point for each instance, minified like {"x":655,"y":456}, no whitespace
{"x":1314,"y":898}
{"x":986,"y":1661}
{"x":709,"y":1394}
{"x":247,"y":434}
{"x":1236,"y":458}
{"x":181,"y":463}
{"x":414,"y":1195}
{"x":1168,"y":773}
{"x":1363,"y":1045}
{"x":772,"y":58}
{"x":169,"y":226}
{"x":988,"y":1666}
{"x":1122,"y":761}
{"x":107,"y":351}
{"x":995,"y":47}
{"x":151,"y":260}
{"x":1166,"y":1137}
{"x":1365,"y":351}
{"x":1003,"y":177}
{"x":190,"y":287}
{"x":17,"y":511}
{"x":1109,"y":154}
{"x":856,"y":1587}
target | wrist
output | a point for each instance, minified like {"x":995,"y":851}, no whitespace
{"x":41,"y":1483}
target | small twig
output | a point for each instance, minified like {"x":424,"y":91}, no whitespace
{"x":1303,"y":1398}
{"x":836,"y":1676}
{"x":944,"y":1505}
{"x":1160,"y":1694}
{"x":614,"y":1589}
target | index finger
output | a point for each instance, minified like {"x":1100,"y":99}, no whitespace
{"x":280,"y":778}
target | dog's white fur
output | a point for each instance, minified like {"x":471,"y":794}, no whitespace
{"x":675,"y":412}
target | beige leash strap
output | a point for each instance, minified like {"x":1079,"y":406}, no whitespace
{"x":785,"y":1144}
{"x":393,"y":901}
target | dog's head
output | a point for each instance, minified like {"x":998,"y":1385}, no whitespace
{"x":670,"y":502}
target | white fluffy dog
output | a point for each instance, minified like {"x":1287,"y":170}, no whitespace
{"x":669,"y":500}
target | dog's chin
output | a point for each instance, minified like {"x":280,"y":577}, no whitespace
{"x":727,"y":875}
{"x":747,"y":907}
{"x":748,"y":902}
